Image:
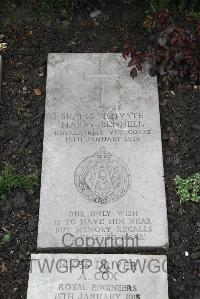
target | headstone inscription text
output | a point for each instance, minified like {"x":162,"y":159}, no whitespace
{"x":102,"y":174}
{"x":67,"y":276}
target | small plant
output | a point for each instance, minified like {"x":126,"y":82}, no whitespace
{"x":173,"y":52}
{"x":189,"y":188}
{"x":5,"y":240}
{"x":9,"y":180}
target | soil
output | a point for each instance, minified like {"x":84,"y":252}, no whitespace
{"x":21,"y":134}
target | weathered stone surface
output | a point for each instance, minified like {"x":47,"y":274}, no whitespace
{"x":119,"y":276}
{"x":102,"y":173}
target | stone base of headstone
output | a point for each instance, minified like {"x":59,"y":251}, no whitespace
{"x":102,"y":276}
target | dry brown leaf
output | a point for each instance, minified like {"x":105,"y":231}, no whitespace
{"x":37,"y":92}
{"x":3,"y":268}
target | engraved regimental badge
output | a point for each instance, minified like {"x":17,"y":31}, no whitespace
{"x":102,"y":177}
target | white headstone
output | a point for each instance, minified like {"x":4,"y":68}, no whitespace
{"x":119,"y":276}
{"x":102,"y":173}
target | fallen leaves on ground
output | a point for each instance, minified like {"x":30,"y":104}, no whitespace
{"x":3,"y":46}
{"x":37,"y":92}
{"x":3,"y":268}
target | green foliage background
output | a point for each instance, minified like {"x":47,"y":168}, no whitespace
{"x":9,"y":180}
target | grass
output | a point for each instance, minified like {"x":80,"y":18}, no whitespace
{"x":188,"y":189}
{"x":9,"y":181}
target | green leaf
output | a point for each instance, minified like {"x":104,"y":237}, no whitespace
{"x":5,"y":239}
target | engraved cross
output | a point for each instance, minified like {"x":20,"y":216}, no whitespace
{"x":101,"y":77}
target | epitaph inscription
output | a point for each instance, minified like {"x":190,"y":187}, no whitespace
{"x":102,"y":175}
